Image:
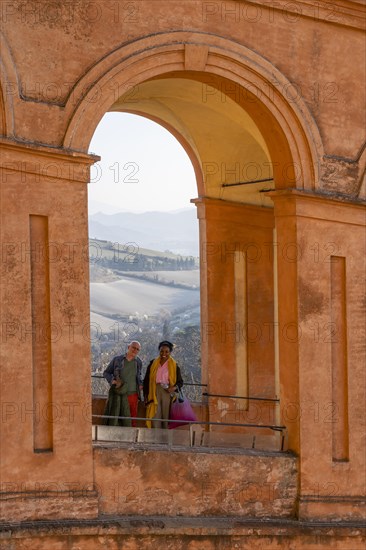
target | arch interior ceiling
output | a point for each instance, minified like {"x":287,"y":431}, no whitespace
{"x":217,"y":133}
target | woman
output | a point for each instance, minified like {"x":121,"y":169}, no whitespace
{"x":162,"y":379}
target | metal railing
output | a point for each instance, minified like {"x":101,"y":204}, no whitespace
{"x":191,"y":389}
{"x":209,"y":431}
{"x":188,"y":385}
{"x":269,"y":399}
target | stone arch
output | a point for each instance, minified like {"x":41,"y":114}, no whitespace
{"x":289,"y":125}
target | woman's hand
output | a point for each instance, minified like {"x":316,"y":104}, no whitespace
{"x":171,"y":389}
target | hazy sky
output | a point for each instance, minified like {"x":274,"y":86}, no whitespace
{"x":143,"y":167}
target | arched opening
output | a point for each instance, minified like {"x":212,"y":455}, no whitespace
{"x":144,"y":247}
{"x":234,"y":123}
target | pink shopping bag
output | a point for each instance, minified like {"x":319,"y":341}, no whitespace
{"x":181,"y":411}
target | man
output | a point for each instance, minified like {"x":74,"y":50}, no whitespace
{"x":124,"y":374}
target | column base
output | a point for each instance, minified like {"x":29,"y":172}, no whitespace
{"x":338,"y":508}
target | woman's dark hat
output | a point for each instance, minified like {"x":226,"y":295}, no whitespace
{"x":166,"y":343}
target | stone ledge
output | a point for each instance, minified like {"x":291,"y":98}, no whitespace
{"x":179,"y":533}
{"x":183,"y":524}
{"x":194,"y":450}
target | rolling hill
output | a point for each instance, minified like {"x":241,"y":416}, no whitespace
{"x":176,"y":231}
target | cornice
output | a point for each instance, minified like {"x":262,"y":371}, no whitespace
{"x":40,"y":150}
{"x":329,"y":207}
{"x":347,"y":13}
{"x":320,"y":195}
{"x":44,"y":162}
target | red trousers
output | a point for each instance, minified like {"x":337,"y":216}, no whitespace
{"x":133,"y":402}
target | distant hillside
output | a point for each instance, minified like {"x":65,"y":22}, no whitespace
{"x":119,"y":258}
{"x":124,"y":281}
{"x":175,"y":231}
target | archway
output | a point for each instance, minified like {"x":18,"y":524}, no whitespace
{"x":246,"y":134}
{"x":143,"y":262}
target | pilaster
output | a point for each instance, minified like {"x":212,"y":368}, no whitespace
{"x":321,"y":267}
{"x":46,"y":453}
{"x":237,"y":308}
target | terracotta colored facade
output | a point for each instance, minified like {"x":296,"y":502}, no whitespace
{"x":253,"y":90}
